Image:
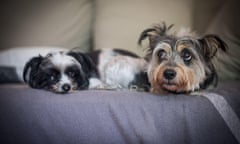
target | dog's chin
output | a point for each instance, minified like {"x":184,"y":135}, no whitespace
{"x":171,"y":87}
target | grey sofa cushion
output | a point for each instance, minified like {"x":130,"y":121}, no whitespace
{"x":8,"y":75}
{"x":99,"y":116}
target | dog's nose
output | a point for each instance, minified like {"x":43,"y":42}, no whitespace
{"x":169,"y":74}
{"x":66,"y":87}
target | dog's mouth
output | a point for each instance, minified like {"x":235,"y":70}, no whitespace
{"x":170,"y":86}
{"x":173,"y":88}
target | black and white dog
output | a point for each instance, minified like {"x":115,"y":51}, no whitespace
{"x":121,"y":69}
{"x":61,"y":72}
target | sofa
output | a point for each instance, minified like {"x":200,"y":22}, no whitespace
{"x":30,"y":28}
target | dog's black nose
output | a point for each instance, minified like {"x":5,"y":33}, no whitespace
{"x":66,"y":87}
{"x":169,"y":74}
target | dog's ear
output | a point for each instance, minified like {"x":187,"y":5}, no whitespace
{"x":150,"y":34}
{"x":30,"y":69}
{"x":210,"y":46}
{"x":154,"y":34}
{"x":87,"y":63}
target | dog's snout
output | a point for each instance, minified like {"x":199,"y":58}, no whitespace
{"x":169,"y":74}
{"x":66,"y":87}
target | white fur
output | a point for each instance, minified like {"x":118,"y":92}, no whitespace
{"x":61,"y":60}
{"x":95,"y":83}
{"x":64,"y":80}
{"x":117,"y":71}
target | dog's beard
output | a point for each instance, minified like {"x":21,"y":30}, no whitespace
{"x":184,"y":82}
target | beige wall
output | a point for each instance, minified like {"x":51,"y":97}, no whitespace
{"x":118,"y":23}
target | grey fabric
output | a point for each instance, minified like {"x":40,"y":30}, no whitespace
{"x":61,"y":23}
{"x":8,"y":75}
{"x":230,"y":91}
{"x":99,"y":116}
{"x":227,"y":113}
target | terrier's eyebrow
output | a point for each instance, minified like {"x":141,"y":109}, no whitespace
{"x":163,"y":45}
{"x":182,"y":46}
{"x":166,"y":40}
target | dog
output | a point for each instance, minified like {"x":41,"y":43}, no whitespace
{"x":180,"y":61}
{"x":61,"y":72}
{"x":120,"y":69}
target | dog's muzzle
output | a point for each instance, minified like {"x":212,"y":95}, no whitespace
{"x":66,"y":88}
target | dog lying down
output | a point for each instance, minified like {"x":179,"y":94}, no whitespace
{"x":180,"y":61}
{"x":175,"y":62}
{"x":64,"y":72}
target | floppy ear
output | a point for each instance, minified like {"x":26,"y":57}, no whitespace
{"x":153,"y":34}
{"x":31,"y":68}
{"x":210,"y":46}
{"x":87,"y":63}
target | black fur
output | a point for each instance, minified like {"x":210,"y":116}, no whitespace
{"x":125,"y":53}
{"x":141,"y":82}
{"x":94,"y":56}
{"x":40,"y":76}
{"x":32,"y":66}
{"x":87,"y":63}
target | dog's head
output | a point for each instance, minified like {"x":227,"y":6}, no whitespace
{"x":60,"y":72}
{"x":180,"y":62}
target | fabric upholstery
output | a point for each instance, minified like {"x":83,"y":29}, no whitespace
{"x":56,"y":23}
{"x":99,"y":116}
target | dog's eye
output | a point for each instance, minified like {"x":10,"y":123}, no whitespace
{"x":52,"y":77}
{"x":52,"y":74}
{"x":162,"y":54}
{"x":71,"y":74}
{"x":186,"y":55}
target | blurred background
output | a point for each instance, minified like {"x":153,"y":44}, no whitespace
{"x":30,"y":27}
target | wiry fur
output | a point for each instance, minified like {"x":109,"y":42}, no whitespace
{"x":181,"y":61}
